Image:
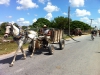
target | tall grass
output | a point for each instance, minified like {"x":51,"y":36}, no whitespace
{"x":7,"y":47}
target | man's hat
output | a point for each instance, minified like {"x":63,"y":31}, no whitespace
{"x":44,"y":26}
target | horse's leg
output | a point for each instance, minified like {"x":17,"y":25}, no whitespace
{"x":20,"y":43}
{"x":20,"y":46}
{"x":33,"y":45}
{"x":12,"y":63}
{"x":23,"y":53}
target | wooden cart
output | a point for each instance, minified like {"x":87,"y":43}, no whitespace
{"x":47,"y":42}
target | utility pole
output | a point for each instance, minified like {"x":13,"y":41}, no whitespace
{"x":69,"y":19}
{"x":91,"y":23}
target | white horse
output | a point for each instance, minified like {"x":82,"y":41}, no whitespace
{"x":15,"y":32}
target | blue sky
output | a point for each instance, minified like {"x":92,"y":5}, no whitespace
{"x":25,"y":12}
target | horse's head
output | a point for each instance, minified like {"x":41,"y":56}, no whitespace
{"x":9,"y":29}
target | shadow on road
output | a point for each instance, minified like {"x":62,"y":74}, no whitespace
{"x":90,"y":40}
{"x":40,"y":51}
{"x":19,"y":56}
{"x":97,"y":52}
{"x":8,"y":60}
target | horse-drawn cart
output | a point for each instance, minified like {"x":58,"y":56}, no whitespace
{"x":47,"y":42}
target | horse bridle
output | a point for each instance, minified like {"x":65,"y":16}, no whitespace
{"x":11,"y":29}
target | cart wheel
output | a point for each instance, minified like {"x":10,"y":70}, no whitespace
{"x":30,"y":48}
{"x":51,"y":49}
{"x":61,"y":44}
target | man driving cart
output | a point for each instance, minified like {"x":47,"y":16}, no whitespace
{"x":44,"y":35}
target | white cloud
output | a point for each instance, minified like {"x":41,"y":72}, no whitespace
{"x":77,"y":3}
{"x":86,"y":19}
{"x":25,"y":4}
{"x":6,"y":2}
{"x":99,"y":11}
{"x":35,"y":15}
{"x":42,"y":1}
{"x":82,"y":13}
{"x":95,"y":22}
{"x":28,"y":13}
{"x":1,"y":22}
{"x":21,"y":22}
{"x":65,"y":13}
{"x":98,"y":20}
{"x":34,"y":20}
{"x":9,"y":16}
{"x":12,"y":22}
{"x":51,"y":8}
{"x":48,"y":16}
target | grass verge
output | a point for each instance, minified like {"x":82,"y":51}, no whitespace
{"x":7,"y":47}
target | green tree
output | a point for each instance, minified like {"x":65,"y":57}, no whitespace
{"x":16,"y":24}
{"x":79,"y":24}
{"x":60,"y":22}
{"x":3,"y":28}
{"x":40,"y":22}
{"x":24,"y":27}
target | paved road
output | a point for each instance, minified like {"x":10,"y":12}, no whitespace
{"x":77,"y":58}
